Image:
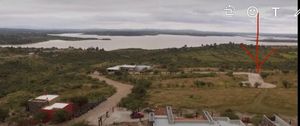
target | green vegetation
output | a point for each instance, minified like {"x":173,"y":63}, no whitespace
{"x":284,"y":78}
{"x":3,"y":114}
{"x":24,"y":76}
{"x":60,"y":116}
{"x":229,"y":113}
{"x":135,"y":100}
{"x":12,"y":37}
{"x":256,"y":120}
{"x":79,"y":100}
{"x":264,"y":75}
{"x":65,"y":72}
{"x":199,"y":84}
{"x":40,"y":116}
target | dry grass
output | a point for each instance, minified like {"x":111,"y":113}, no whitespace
{"x":181,"y":93}
{"x":277,"y":78}
{"x":221,"y":80}
{"x":246,"y":100}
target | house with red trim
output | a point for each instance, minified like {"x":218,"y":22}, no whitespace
{"x":51,"y":109}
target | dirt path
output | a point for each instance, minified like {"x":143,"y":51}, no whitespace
{"x":254,"y":77}
{"x":122,"y":90}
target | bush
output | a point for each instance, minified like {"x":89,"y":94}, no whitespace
{"x":285,"y":71}
{"x":60,"y":116}
{"x":3,"y":114}
{"x":188,"y":115}
{"x":79,"y":100}
{"x":199,"y":83}
{"x":230,"y":74}
{"x":40,"y":116}
{"x":229,"y":113}
{"x":264,"y":75}
{"x":135,"y":100}
{"x":256,"y":120}
{"x":286,"y":84}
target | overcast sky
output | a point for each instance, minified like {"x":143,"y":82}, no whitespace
{"x":203,"y":15}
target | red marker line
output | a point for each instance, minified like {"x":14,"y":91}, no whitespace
{"x":248,"y":52}
{"x":258,"y":63}
{"x":267,"y":57}
{"x":257,"y":46}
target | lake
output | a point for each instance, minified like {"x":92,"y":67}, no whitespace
{"x":145,"y":42}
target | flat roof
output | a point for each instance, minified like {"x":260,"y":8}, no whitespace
{"x":170,"y":120}
{"x":56,"y":106}
{"x":47,"y":97}
{"x":164,"y":122}
{"x":114,"y":68}
{"x":128,"y":66}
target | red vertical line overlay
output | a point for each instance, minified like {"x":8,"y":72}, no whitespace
{"x":266,"y":58}
{"x":248,"y":52}
{"x":257,"y":46}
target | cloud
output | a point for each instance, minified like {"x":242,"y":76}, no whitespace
{"x":205,"y":15}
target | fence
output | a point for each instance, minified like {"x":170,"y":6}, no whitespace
{"x":103,"y":117}
{"x":86,"y":107}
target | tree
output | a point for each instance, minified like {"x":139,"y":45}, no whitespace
{"x":3,"y":114}
{"x":79,"y":100}
{"x":60,"y":116}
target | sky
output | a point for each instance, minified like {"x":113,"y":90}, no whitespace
{"x":202,"y":15}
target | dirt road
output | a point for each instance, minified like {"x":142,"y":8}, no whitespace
{"x":122,"y":90}
{"x":254,"y":77}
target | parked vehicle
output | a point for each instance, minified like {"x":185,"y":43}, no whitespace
{"x":136,"y":115}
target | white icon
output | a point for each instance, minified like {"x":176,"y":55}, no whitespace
{"x":297,"y":13}
{"x":275,"y":10}
{"x":229,"y":10}
{"x":252,"y":11}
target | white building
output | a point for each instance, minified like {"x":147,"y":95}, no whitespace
{"x":37,"y":103}
{"x":131,"y":68}
{"x":46,"y":97}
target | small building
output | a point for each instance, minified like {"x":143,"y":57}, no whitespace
{"x":128,"y":68}
{"x":140,"y":68}
{"x":171,"y":120}
{"x":51,"y":109}
{"x":34,"y":105}
{"x":273,"y":121}
{"x":113,"y":69}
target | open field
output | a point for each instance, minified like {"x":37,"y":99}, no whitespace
{"x":278,"y":77}
{"x":226,"y":93}
{"x":254,"y":101}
